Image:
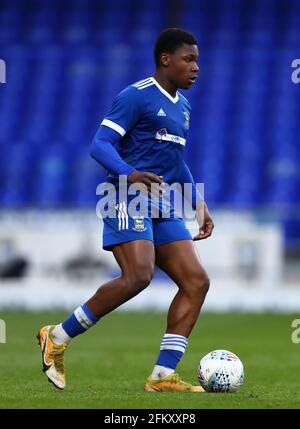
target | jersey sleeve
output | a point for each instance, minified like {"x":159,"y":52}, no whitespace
{"x":125,"y":112}
{"x":103,"y":151}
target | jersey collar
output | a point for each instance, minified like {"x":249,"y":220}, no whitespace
{"x":169,"y":96}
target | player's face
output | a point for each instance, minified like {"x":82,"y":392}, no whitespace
{"x":183,"y":66}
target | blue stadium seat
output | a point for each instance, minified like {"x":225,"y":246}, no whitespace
{"x":67,"y":60}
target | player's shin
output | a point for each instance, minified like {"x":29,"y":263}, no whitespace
{"x":77,"y":323}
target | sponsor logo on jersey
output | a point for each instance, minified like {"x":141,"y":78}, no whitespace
{"x":163,"y":135}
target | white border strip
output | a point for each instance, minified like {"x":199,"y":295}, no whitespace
{"x":173,"y":99}
{"x":114,"y":126}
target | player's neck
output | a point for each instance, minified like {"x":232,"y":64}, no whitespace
{"x":165,"y":83}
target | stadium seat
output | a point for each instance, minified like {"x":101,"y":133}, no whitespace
{"x":67,"y":61}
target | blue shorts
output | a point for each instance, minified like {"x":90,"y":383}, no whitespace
{"x":120,"y":227}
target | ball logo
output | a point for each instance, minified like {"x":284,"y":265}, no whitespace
{"x":223,"y":356}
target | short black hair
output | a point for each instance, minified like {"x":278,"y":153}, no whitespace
{"x":171,"y":39}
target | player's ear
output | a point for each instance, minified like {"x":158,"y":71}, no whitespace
{"x":165,"y":59}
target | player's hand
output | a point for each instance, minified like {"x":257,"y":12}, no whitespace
{"x":147,"y":179}
{"x":204,"y":221}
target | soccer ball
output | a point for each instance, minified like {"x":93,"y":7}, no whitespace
{"x":220,"y":371}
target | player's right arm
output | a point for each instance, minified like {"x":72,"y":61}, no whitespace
{"x":124,"y":114}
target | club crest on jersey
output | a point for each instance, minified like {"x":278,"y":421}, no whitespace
{"x":187,"y":120}
{"x":139,"y":224}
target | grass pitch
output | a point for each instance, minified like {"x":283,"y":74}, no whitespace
{"x":107,"y":367}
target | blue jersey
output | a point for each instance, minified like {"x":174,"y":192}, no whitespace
{"x":153,"y":126}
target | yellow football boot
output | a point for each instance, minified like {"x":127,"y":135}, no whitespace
{"x":52,"y":357}
{"x":172,"y":383}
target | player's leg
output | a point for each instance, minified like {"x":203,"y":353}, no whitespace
{"x":136,"y":260}
{"x":180,"y":261}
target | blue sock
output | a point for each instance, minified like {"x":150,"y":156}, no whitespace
{"x":171,"y":350}
{"x":80,"y":321}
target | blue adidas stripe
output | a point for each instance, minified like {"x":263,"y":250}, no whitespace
{"x":89,"y":314}
{"x":184,"y":340}
{"x":181,"y":343}
{"x":172,"y":345}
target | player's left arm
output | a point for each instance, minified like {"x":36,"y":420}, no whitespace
{"x":203,"y":216}
{"x":204,"y":220}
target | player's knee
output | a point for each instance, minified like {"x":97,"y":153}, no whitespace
{"x":140,"y":278}
{"x":205,"y":283}
{"x":199,"y":285}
